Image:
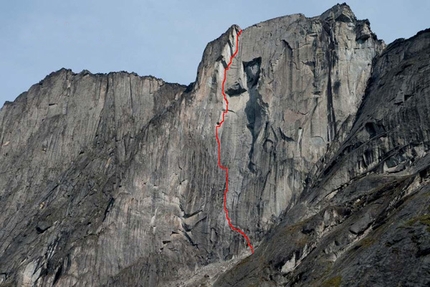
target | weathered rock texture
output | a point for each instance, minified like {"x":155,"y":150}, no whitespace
{"x":112,"y":180}
{"x":364,"y":220}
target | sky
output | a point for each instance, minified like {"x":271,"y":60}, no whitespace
{"x":164,"y":39}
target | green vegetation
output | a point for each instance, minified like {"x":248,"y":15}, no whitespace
{"x":366,"y":242}
{"x":423,"y":219}
{"x":333,"y":282}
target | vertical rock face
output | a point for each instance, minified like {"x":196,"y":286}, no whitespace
{"x":364,"y":221}
{"x":67,"y":145}
{"x":295,"y":86}
{"x":112,"y":180}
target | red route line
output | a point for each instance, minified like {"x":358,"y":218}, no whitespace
{"x":234,"y":228}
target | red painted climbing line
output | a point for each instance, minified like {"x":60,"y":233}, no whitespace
{"x":224,"y":112}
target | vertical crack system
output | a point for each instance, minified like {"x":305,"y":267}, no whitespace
{"x":330,"y":55}
{"x":218,"y":126}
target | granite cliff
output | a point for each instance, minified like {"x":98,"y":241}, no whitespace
{"x":112,"y":179}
